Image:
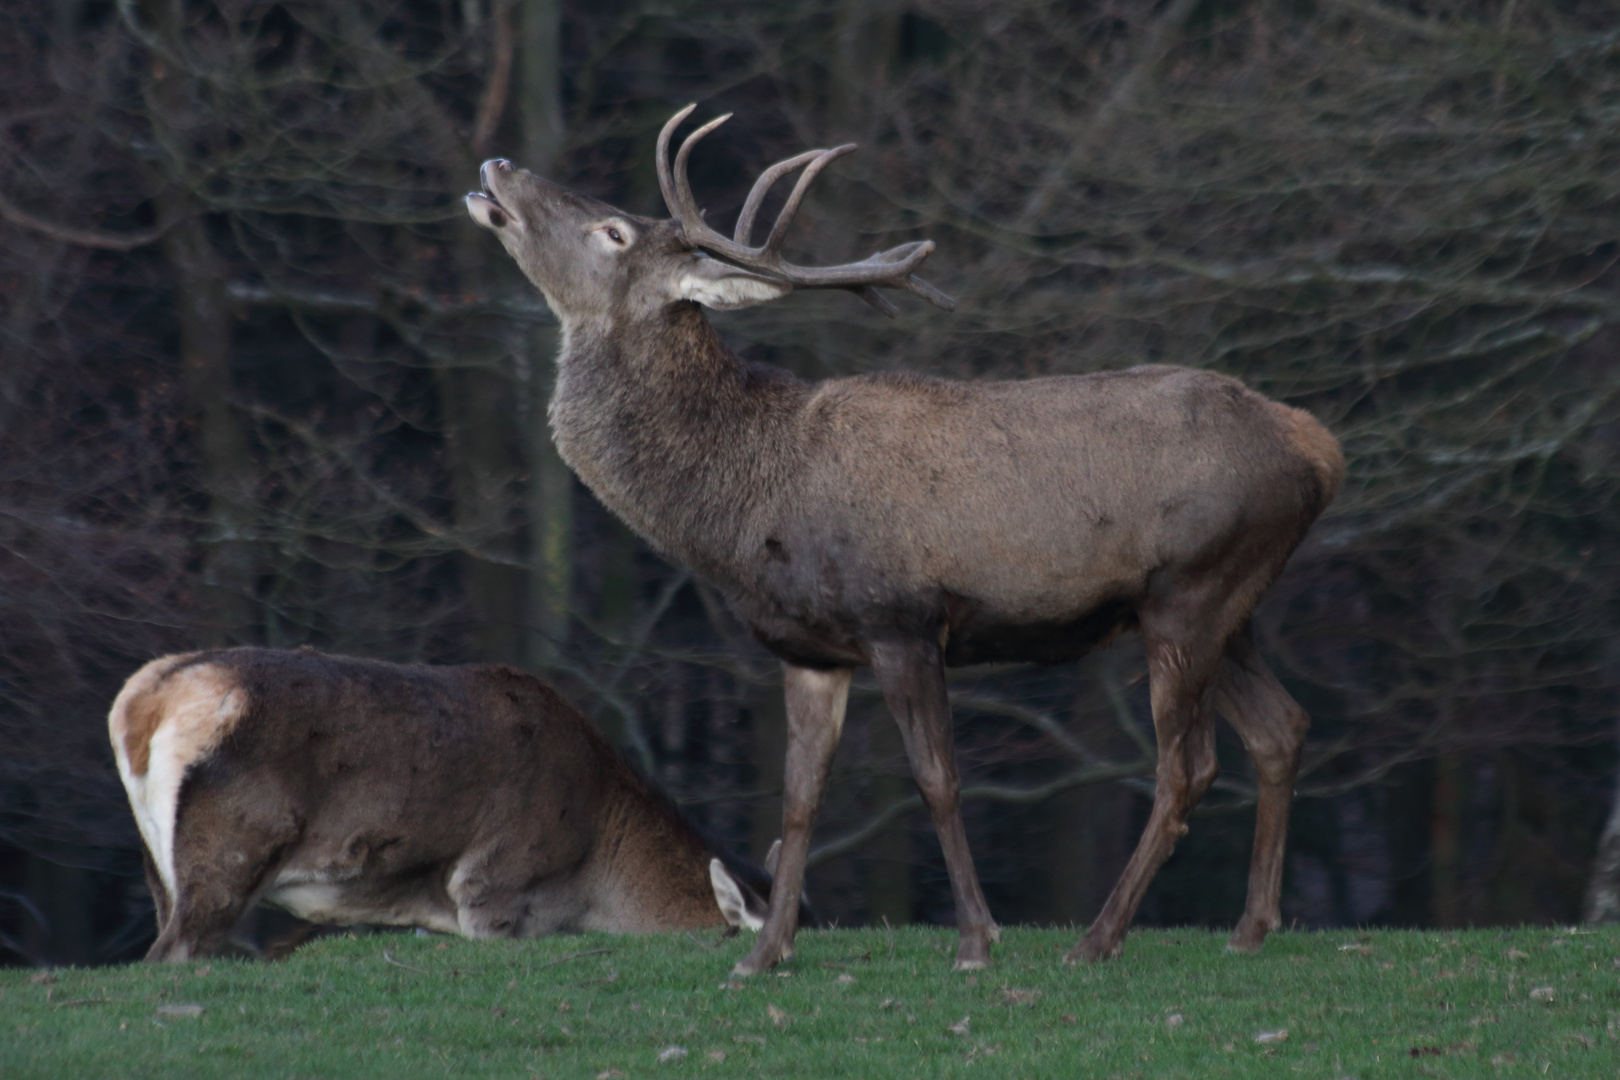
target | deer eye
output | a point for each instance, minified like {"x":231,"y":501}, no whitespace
{"x":615,"y":235}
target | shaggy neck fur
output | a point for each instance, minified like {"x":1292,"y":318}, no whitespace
{"x":676,"y":434}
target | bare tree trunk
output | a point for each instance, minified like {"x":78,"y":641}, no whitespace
{"x":226,"y":464}
{"x":1091,"y":839}
{"x":551,"y":484}
{"x":865,"y":37}
{"x":1445,"y":837}
{"x":484,"y":466}
{"x":551,"y":518}
{"x":1603,"y":886}
{"x":1407,"y":820}
{"x":1512,"y":884}
{"x":203,"y":313}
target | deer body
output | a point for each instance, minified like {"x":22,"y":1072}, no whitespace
{"x":907,"y":523}
{"x":827,"y":511}
{"x":468,"y":800}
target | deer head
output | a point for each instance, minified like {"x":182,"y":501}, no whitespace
{"x":595,"y":262}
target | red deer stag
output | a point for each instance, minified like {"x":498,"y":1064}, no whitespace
{"x":470,"y":800}
{"x":909,"y":523}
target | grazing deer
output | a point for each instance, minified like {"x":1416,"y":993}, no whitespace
{"x":908,"y":523}
{"x":469,"y":800}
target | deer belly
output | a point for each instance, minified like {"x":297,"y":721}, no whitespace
{"x":975,"y":636}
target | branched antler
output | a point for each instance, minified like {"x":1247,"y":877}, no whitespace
{"x":890,"y":269}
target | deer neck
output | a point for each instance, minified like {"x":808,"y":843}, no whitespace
{"x":675,"y":433}
{"x":651,"y":871}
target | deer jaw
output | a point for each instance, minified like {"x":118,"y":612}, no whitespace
{"x":597,"y":265}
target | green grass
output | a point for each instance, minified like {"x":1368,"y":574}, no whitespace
{"x":854,"y":1003}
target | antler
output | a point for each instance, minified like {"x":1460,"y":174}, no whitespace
{"x":890,"y":269}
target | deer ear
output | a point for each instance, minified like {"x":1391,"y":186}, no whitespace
{"x":724,"y":287}
{"x":739,"y":906}
{"x":773,"y":856}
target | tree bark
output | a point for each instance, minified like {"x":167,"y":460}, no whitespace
{"x":1407,"y":813}
{"x":1446,"y":821}
{"x":225,"y":465}
{"x":484,"y":467}
{"x":551,"y":484}
{"x":1092,"y":840}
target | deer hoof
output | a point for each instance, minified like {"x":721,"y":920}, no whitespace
{"x":1247,"y":938}
{"x":1091,"y":951}
{"x":760,"y":960}
{"x":973,"y":953}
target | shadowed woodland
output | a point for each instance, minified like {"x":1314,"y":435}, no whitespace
{"x":262,"y":381}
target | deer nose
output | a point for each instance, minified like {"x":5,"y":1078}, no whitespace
{"x":493,"y":163}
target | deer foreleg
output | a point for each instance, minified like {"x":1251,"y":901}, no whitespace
{"x":1272,"y":726}
{"x":912,"y":676}
{"x":815,"y":714}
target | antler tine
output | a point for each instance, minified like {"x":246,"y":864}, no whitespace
{"x":806,"y":178}
{"x":666,"y":182}
{"x":683,"y":186}
{"x":682,"y":183}
{"x":762,"y":187}
{"x":877,"y":300}
{"x":918,"y":287}
{"x":887,"y":269}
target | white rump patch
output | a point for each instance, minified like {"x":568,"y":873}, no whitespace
{"x":729,"y":895}
{"x":202,"y":703}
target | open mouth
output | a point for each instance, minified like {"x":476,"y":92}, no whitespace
{"x":484,"y":206}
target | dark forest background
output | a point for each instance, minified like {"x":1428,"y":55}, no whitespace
{"x":263,"y":381}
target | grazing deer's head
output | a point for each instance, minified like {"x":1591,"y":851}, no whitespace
{"x":595,"y":262}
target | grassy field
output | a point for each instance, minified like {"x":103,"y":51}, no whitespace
{"x":853,"y":1003}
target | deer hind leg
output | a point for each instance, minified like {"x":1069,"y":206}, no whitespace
{"x":912,"y":676}
{"x":1180,"y":670}
{"x":161,"y":905}
{"x":219,"y":870}
{"x":1272,"y":727}
{"x":816,"y":702}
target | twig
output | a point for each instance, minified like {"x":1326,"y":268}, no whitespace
{"x":572,"y":956}
{"x":493,"y":102}
{"x":424,"y":971}
{"x":90,"y":238}
{"x":85,"y":1001}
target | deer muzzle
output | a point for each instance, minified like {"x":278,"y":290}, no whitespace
{"x":485,"y":206}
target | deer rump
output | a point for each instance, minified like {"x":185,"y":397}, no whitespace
{"x":468,"y":800}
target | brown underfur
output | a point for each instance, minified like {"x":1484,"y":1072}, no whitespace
{"x":468,"y":799}
{"x":909,"y":523}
